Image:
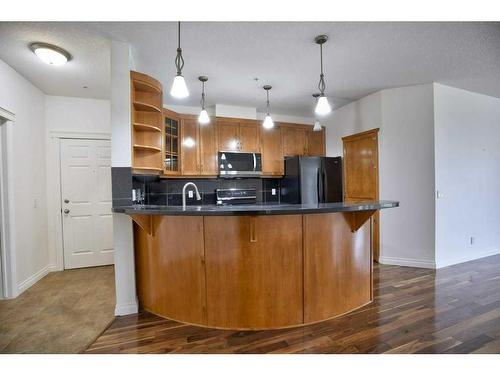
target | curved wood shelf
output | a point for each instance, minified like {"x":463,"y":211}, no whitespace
{"x":146,"y":87}
{"x":145,"y":127}
{"x":150,"y":148}
{"x":142,"y":106}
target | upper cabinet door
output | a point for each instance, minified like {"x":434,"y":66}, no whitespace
{"x":294,"y":141}
{"x":208,"y":149}
{"x":189,"y":147}
{"x":228,"y":135}
{"x":316,"y":143}
{"x":272,"y":152}
{"x":250,"y":136}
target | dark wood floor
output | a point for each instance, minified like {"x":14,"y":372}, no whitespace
{"x":453,"y":310}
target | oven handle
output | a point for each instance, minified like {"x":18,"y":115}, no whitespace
{"x":254,"y":162}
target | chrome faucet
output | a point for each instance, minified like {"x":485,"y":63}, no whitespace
{"x":198,"y":197}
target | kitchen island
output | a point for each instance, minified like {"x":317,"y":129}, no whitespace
{"x":254,"y":267}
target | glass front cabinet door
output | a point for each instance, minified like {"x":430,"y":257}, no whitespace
{"x":171,"y":133}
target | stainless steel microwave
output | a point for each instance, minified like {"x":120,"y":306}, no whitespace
{"x":240,"y":164}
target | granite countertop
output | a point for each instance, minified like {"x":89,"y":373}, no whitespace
{"x":255,"y":209}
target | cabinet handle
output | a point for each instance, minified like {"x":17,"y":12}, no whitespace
{"x":253,"y":237}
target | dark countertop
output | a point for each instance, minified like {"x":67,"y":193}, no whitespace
{"x":255,"y":209}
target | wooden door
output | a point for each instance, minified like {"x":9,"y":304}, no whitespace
{"x":254,"y":271}
{"x":361,"y":174}
{"x":316,"y":143}
{"x":86,"y":203}
{"x":228,"y":135}
{"x":294,"y":141}
{"x":249,"y":136}
{"x":189,"y":147}
{"x":272,"y":151}
{"x":208,"y":149}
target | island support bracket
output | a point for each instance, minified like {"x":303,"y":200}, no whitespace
{"x":145,"y":222}
{"x":358,"y":218}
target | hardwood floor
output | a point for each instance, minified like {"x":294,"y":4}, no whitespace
{"x":452,"y":310}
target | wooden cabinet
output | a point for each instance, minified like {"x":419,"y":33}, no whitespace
{"x":249,"y":136}
{"x":337,"y":266}
{"x":198,"y":148}
{"x":146,"y":115}
{"x":294,"y":141}
{"x":253,"y":285}
{"x":169,"y":268}
{"x":207,"y":135}
{"x":316,"y":143}
{"x":272,"y":151}
{"x":171,"y":143}
{"x":189,"y":147}
{"x":238,"y":135}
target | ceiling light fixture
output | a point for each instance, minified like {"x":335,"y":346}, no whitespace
{"x":268,"y":121}
{"x":203,"y":117}
{"x":179,"y":88}
{"x":317,"y":125}
{"x":50,"y":54}
{"x":322,"y":107}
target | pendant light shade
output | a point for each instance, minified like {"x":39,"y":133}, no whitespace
{"x":268,"y":121}
{"x":323,"y":107}
{"x":203,"y":118}
{"x":317,"y":126}
{"x":179,"y":89}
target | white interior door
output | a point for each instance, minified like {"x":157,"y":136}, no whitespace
{"x":86,"y":203}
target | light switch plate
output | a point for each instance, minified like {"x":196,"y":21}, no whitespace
{"x":190,"y":194}
{"x":273,"y":191}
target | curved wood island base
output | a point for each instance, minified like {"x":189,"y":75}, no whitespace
{"x":255,"y":271}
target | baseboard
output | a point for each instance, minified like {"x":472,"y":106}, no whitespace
{"x":407,"y":262}
{"x":467,"y":258}
{"x":126,"y":309}
{"x":30,"y":281}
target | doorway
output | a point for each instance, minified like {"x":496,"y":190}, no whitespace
{"x":86,"y":216}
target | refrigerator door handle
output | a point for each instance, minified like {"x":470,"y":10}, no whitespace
{"x":320,"y":186}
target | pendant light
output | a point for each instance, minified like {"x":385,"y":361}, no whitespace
{"x":317,"y":125}
{"x":179,"y":88}
{"x":322,"y":107}
{"x":268,"y":121}
{"x":203,"y":117}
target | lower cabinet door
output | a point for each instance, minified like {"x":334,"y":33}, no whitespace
{"x":337,"y":266}
{"x":254,"y":271}
{"x":169,"y":268}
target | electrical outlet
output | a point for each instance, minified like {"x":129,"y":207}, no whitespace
{"x":273,"y":191}
{"x":190,"y":194}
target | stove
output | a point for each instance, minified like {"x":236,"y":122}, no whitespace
{"x":236,"y":196}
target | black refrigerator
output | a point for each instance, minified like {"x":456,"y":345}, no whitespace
{"x":311,"y":179}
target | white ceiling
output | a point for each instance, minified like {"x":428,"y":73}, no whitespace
{"x":359,"y":58}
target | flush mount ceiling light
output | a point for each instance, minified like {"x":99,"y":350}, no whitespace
{"x":317,"y":125}
{"x":268,"y":121}
{"x":179,"y":88}
{"x":323,"y":107}
{"x":203,"y":117}
{"x":50,"y":54}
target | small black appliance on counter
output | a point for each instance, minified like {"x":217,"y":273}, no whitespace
{"x":236,"y":196}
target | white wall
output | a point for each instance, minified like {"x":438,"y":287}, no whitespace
{"x":66,"y":114}
{"x":20,"y":97}
{"x":406,"y":153}
{"x":467,"y":137}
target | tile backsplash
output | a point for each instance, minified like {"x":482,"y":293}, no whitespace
{"x":160,"y":191}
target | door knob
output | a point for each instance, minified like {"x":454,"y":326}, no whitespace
{"x":66,"y":200}
{"x":66,"y":211}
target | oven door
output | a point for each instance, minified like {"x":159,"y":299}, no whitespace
{"x":239,"y":164}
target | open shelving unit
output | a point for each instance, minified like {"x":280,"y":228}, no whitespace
{"x":147,"y":121}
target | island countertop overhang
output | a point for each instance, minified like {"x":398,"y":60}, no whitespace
{"x":255,"y":209}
